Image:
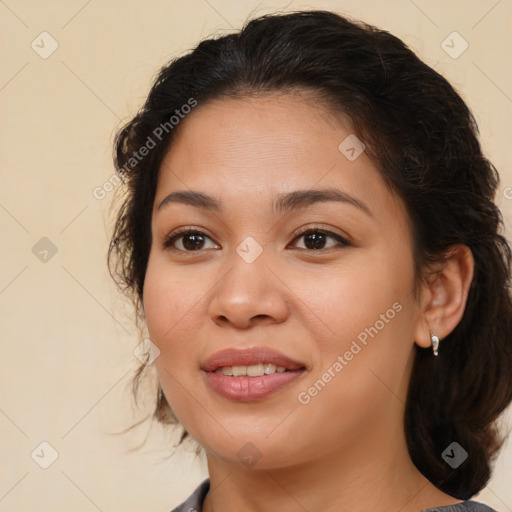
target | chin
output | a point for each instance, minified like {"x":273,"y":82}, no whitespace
{"x":257,"y":452}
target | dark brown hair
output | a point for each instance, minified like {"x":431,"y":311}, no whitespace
{"x":424,"y":140}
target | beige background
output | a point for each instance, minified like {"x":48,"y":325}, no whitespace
{"x":67,"y":339}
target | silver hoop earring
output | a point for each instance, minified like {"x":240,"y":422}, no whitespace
{"x":159,"y":394}
{"x":435,"y":343}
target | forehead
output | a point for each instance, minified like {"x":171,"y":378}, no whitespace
{"x":251,"y":147}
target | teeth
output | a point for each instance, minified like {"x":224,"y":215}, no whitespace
{"x":253,"y":370}
{"x":269,"y":368}
{"x":239,"y":371}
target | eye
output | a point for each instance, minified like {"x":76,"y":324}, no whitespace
{"x":317,"y":239}
{"x":190,"y":240}
{"x":187,"y":240}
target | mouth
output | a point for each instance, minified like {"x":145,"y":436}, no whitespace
{"x":253,"y":370}
{"x":246,"y":375}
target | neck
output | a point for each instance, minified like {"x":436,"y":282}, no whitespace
{"x":375,"y":474}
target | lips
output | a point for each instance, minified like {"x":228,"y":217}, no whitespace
{"x":248,"y":357}
{"x":245,"y":388}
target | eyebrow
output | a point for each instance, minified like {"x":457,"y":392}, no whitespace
{"x":284,"y":203}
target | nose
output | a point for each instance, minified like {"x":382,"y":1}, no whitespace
{"x":249,"y":294}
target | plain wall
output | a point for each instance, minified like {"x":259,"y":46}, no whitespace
{"x":67,"y":337}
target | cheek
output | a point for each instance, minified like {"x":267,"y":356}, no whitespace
{"x":159,"y":302}
{"x":170,"y":295}
{"x":172,"y":303}
{"x":364,"y":313}
{"x":357,"y":299}
{"x":363,"y":372}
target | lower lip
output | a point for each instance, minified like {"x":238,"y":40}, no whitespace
{"x":249,"y":389}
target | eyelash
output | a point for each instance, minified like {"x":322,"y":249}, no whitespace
{"x":173,"y":237}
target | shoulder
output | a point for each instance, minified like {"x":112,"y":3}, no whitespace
{"x":194,"y":503}
{"x":465,"y":506}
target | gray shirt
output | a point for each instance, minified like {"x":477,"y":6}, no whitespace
{"x":194,"y":503}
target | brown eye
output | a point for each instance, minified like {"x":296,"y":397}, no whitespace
{"x":186,"y":241}
{"x":193,"y":240}
{"x":315,"y":239}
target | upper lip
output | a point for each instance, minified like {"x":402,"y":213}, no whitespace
{"x":249,"y":356}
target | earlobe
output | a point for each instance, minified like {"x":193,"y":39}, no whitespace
{"x":444,"y":296}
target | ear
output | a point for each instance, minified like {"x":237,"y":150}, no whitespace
{"x":444,"y":295}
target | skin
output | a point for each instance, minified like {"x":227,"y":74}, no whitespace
{"x":345,"y":449}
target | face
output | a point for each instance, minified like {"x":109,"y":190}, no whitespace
{"x":298,"y":258}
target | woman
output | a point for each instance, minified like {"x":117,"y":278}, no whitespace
{"x":309,"y":235}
